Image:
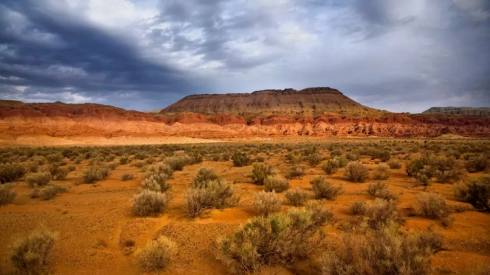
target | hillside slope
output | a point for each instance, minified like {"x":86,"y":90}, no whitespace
{"x":467,"y":111}
{"x":290,"y":102}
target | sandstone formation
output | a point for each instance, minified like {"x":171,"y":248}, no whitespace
{"x":180,"y":119}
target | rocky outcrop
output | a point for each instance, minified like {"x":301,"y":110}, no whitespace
{"x":63,"y":120}
{"x":290,"y":102}
{"x":466,"y":111}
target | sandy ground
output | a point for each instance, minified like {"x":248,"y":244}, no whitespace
{"x":94,"y":220}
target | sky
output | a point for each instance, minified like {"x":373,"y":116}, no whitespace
{"x":401,"y":56}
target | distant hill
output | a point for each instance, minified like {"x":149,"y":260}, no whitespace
{"x":467,"y":111}
{"x":154,"y":111}
{"x":289,"y":102}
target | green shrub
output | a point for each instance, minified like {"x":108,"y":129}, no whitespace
{"x":157,"y":254}
{"x":394,"y":164}
{"x":7,"y":195}
{"x":433,"y":206}
{"x":177,"y":163}
{"x":356,"y":172}
{"x":156,"y":181}
{"x":32,"y":254}
{"x":381,"y":172}
{"x":331,"y":167}
{"x":359,"y":208}
{"x":203,"y":176}
{"x":324,"y":189}
{"x":276,"y":183}
{"x":127,"y":176}
{"x":475,"y":191}
{"x":266,"y":203}
{"x":149,"y":202}
{"x":297,"y":197}
{"x":380,"y":190}
{"x":10,"y":172}
{"x":38,"y":179}
{"x":477,"y":164}
{"x":212,"y":194}
{"x":276,"y":239}
{"x":385,"y":252}
{"x":314,"y":159}
{"x":52,"y":191}
{"x":95,"y":174}
{"x":54,"y":158}
{"x":296,"y":171}
{"x":260,"y":172}
{"x":240,"y":159}
{"x":58,"y":172}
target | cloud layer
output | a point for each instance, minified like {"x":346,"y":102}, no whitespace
{"x":145,"y":54}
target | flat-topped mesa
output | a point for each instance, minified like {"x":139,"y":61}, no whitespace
{"x":309,"y":101}
{"x":467,"y":111}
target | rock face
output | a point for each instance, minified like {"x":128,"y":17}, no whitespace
{"x":468,"y":111}
{"x":311,"y":101}
{"x":262,"y":113}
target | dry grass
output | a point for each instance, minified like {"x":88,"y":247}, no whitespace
{"x":324,"y":189}
{"x":149,"y":203}
{"x":297,"y":197}
{"x":356,"y":172}
{"x":276,"y":183}
{"x":7,"y":195}
{"x":266,"y":203}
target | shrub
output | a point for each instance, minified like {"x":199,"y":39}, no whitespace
{"x":381,"y":172}
{"x":123,"y":160}
{"x":38,"y":179}
{"x":61,"y":173}
{"x":380,"y":190}
{"x":32,"y":254}
{"x":382,"y":213}
{"x":203,"y":176}
{"x":351,"y":156}
{"x":314,"y":159}
{"x":177,"y":163}
{"x":165,"y":169}
{"x":240,"y":159}
{"x":213,"y":194}
{"x":52,"y":191}
{"x":356,"y":172}
{"x":475,"y":191}
{"x":331,"y":167}
{"x":149,"y":202}
{"x":10,"y":172}
{"x":7,"y":195}
{"x":387,"y":251}
{"x":35,"y":193}
{"x":359,"y":208}
{"x":156,"y":182}
{"x":276,"y":183}
{"x":260,"y":172}
{"x":477,"y":164}
{"x":157,"y":254}
{"x":296,"y":171}
{"x":112,"y":165}
{"x":297,"y":197}
{"x":266,"y":203}
{"x":276,"y":239}
{"x":127,"y":176}
{"x":394,"y":164}
{"x":54,"y":158}
{"x":95,"y":174}
{"x":324,"y":189}
{"x":433,"y":206}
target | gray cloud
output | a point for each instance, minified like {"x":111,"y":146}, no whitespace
{"x":403,"y":56}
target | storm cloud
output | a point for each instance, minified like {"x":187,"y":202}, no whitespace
{"x":146,"y":54}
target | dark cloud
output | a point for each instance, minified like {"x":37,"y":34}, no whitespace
{"x":400,"y":56}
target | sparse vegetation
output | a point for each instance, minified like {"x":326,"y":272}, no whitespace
{"x":359,"y":208}
{"x":7,"y":195}
{"x":148,"y":203}
{"x":297,"y":197}
{"x":266,"y":203}
{"x":296,"y":171}
{"x":260,"y":172}
{"x":475,"y":191}
{"x":127,"y":176}
{"x":276,"y":183}
{"x":381,"y":172}
{"x":240,"y":159}
{"x":434,"y":207}
{"x":380,"y":190}
{"x":394,"y":164}
{"x":38,"y":179}
{"x":10,"y":172}
{"x":275,"y":239}
{"x":95,"y":174}
{"x":32,"y":254}
{"x":324,"y":189}
{"x":356,"y":172}
{"x":52,"y":191}
{"x":157,"y":254}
